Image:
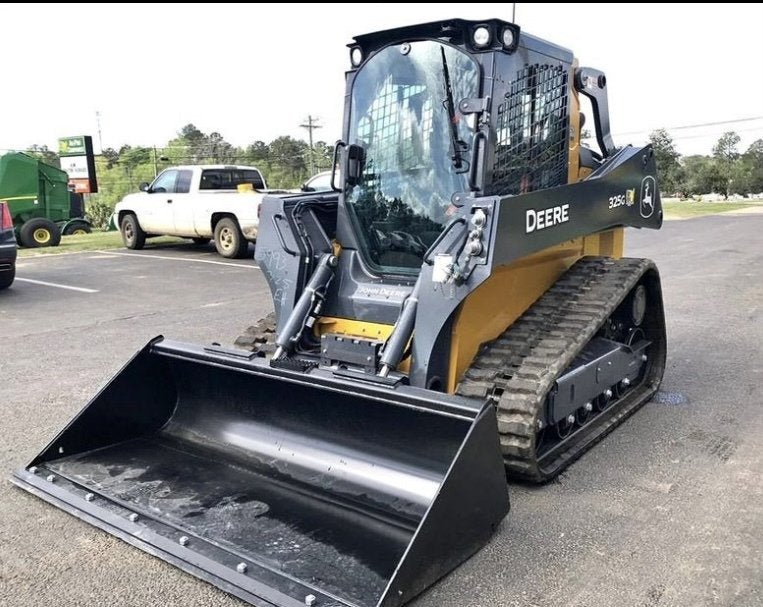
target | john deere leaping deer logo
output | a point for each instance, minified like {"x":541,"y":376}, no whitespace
{"x":647,"y":196}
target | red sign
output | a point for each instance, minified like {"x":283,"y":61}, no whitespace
{"x":80,"y":186}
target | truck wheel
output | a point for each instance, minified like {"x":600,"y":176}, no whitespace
{"x":6,"y":278}
{"x":229,"y":241}
{"x":40,"y":233}
{"x":77,"y":228}
{"x":132,"y":235}
{"x":200,"y":241}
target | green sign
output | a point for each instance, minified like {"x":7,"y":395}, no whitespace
{"x":72,"y":146}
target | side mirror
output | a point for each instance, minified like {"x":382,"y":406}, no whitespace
{"x":307,"y":188}
{"x":354,"y":163}
{"x":143,"y":187}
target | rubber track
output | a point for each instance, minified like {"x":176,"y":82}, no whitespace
{"x":260,"y":337}
{"x":519,"y":368}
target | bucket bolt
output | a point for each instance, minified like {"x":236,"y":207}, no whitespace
{"x":183,"y":541}
{"x":570,"y":419}
{"x":33,"y":469}
{"x":133,"y":517}
{"x":625,"y":383}
{"x":89,"y":497}
{"x":241,"y":567}
{"x":50,"y":478}
{"x":588,"y":407}
{"x":310,"y":600}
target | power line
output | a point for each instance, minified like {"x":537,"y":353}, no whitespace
{"x":691,"y":126}
{"x":718,"y":134}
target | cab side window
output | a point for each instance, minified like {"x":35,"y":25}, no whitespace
{"x":183,"y":184}
{"x":212,"y":179}
{"x":165,"y":183}
{"x":252,"y":177}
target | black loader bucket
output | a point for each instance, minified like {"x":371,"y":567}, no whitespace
{"x":280,"y":487}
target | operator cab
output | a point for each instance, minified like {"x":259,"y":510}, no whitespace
{"x":439,"y":113}
{"x":447,"y":111}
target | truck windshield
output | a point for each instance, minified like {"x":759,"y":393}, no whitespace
{"x":417,"y":149}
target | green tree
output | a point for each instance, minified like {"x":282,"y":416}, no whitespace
{"x":257,"y":152}
{"x":323,"y":155}
{"x":219,"y":150}
{"x":287,"y":162}
{"x":191,"y":135}
{"x":727,"y":154}
{"x":750,"y":174}
{"x":119,"y":173}
{"x":668,"y":166}
{"x":702,"y":175}
{"x":189,"y":147}
{"x":111,"y":157}
{"x":192,"y":146}
{"x":136,"y":164}
{"x":46,"y":155}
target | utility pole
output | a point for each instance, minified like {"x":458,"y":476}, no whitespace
{"x":311,"y":125}
{"x":98,"y":123}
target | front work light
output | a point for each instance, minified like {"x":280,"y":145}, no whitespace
{"x":481,"y":36}
{"x":507,"y":37}
{"x":356,"y":56}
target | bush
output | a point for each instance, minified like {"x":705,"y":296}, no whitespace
{"x":99,"y":212}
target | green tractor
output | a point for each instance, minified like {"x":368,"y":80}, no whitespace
{"x":39,"y":201}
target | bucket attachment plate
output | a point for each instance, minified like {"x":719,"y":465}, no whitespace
{"x":276,"y":485}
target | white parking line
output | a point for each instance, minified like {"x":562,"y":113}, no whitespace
{"x":167,"y":257}
{"x":55,"y":284}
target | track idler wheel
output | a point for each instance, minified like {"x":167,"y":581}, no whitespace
{"x":605,"y":398}
{"x":583,"y":413}
{"x":564,"y":426}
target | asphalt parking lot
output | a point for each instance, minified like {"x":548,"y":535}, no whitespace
{"x":667,"y":511}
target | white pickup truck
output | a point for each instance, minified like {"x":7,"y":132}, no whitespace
{"x":198,"y":202}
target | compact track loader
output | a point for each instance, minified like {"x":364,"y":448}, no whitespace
{"x":457,"y":309}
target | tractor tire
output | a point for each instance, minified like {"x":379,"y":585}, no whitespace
{"x":201,"y":241}
{"x":133,"y":236}
{"x":77,"y":228}
{"x":229,"y":241}
{"x":40,"y":232}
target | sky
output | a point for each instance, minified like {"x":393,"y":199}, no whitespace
{"x":256,"y":71}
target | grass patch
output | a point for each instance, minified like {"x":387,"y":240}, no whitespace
{"x":91,"y":242}
{"x":687,"y":208}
